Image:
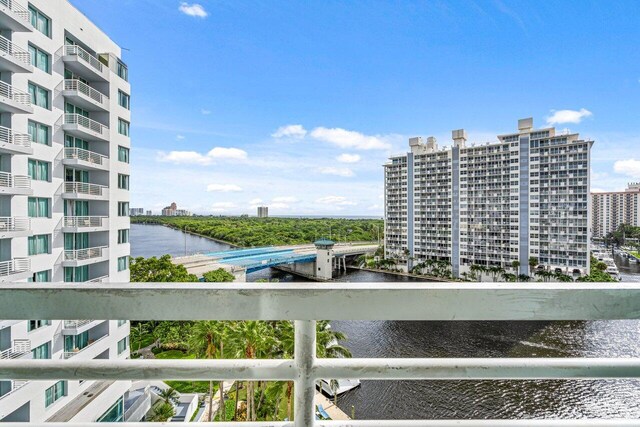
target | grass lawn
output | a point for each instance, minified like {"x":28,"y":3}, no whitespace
{"x":145,"y":341}
{"x":635,"y":254}
{"x":174,"y":354}
{"x":185,"y":386}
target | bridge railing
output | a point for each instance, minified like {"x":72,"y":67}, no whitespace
{"x":306,"y":303}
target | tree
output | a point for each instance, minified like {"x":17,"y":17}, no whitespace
{"x":169,"y":395}
{"x":137,"y":332}
{"x":159,"y":270}
{"x":162,"y":413}
{"x":334,"y":385}
{"x":219,"y":275}
{"x":533,"y":263}
{"x":515,"y":265}
{"x":495,"y":271}
{"x":328,"y":341}
{"x":523,"y":278}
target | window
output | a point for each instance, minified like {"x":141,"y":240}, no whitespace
{"x":42,"y":352}
{"x":71,"y":141}
{"x":39,"y":133}
{"x":76,"y":274}
{"x":124,"y":100}
{"x":123,"y":127}
{"x":123,"y":263}
{"x":115,"y":414}
{"x":40,"y":21}
{"x":123,"y":208}
{"x":55,"y":392}
{"x":122,"y":71}
{"x":39,"y":244}
{"x":40,"y":59}
{"x":39,"y":96}
{"x":123,"y":181}
{"x":39,"y":207}
{"x":40,"y":276}
{"x":123,"y":154}
{"x":36,"y":324}
{"x":123,"y":236}
{"x":122,"y":345}
{"x":39,"y":170}
{"x":121,"y":322}
{"x":69,"y":108}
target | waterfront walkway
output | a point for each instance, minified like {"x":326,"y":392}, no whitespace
{"x":334,"y":412}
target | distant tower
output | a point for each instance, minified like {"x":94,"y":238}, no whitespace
{"x":263,"y":211}
{"x":324,"y":252}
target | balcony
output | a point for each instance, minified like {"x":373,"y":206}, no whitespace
{"x":15,"y":269}
{"x":14,"y":16}
{"x":75,"y":327}
{"x":80,"y":257}
{"x":14,"y":100}
{"x":85,"y":159}
{"x":100,"y":279}
{"x":15,"y":184}
{"x":85,"y":128}
{"x":90,"y":351}
{"x":85,"y":191}
{"x":15,"y":386}
{"x":84,"y":224}
{"x":14,"y":143}
{"x":307,"y":302}
{"x":18,"y":349}
{"x":13,"y":58}
{"x":84,"y":64}
{"x":15,"y":227}
{"x":84,"y":96}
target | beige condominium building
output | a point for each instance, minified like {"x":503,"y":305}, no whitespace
{"x":612,"y":209}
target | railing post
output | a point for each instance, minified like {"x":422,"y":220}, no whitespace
{"x":305,"y":388}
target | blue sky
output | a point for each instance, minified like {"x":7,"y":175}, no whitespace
{"x":298,"y":104}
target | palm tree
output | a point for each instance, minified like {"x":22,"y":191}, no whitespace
{"x":334,"y":386}
{"x":523,"y":278}
{"x":207,"y":340}
{"x":533,"y":263}
{"x":477,"y":270}
{"x":162,"y":413}
{"x":495,"y":270}
{"x":169,"y":395}
{"x":137,"y":332}
{"x":515,"y":265}
{"x":328,"y":341}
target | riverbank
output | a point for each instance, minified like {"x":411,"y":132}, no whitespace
{"x":401,"y":274}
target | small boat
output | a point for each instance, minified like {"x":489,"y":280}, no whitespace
{"x":344,"y":386}
{"x":612,"y":270}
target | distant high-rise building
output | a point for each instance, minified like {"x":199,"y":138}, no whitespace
{"x":136,"y":211}
{"x":611,"y":209}
{"x":525,"y":196}
{"x":149,"y":213}
{"x":172,"y":210}
{"x":263,"y":211}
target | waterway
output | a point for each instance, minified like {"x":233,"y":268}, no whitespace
{"x":463,"y":399}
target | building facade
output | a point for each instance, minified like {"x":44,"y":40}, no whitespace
{"x":263,"y":211}
{"x":612,"y":209}
{"x":525,"y":196}
{"x":136,"y":211}
{"x":64,"y":197}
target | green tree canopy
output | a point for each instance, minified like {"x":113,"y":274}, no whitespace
{"x":219,"y":275}
{"x":159,"y":270}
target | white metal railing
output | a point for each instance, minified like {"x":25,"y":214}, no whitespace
{"x":84,"y":55}
{"x":15,"y":224}
{"x":69,"y":354}
{"x":84,"y":221}
{"x":83,"y":88}
{"x":17,"y":95}
{"x":17,"y":350}
{"x":73,"y":153}
{"x":8,"y":47}
{"x":83,"y":188}
{"x":19,"y":10}
{"x":7,"y":136}
{"x":307,"y":302}
{"x":75,"y":324}
{"x":85,"y":122}
{"x":15,"y":384}
{"x":14,"y":266}
{"x":84,"y":254}
{"x":98,"y":279}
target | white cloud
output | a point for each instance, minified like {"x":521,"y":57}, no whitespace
{"x":568,"y":116}
{"x":335,"y":201}
{"x":284,"y":199}
{"x":205,"y":112}
{"x":222,"y":206}
{"x":349,"y":139}
{"x":348,"y":158}
{"x":330,"y":170}
{"x":179,"y":137}
{"x":194,"y":9}
{"x":290,"y":131}
{"x":224,"y":188}
{"x":630,"y":167}
{"x":227,"y":153}
{"x":195,"y":158}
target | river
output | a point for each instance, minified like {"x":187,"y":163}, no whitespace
{"x":463,"y":399}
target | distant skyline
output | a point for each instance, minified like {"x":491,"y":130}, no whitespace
{"x":297,"y":105}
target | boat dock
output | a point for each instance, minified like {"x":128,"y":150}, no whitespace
{"x":334,"y":412}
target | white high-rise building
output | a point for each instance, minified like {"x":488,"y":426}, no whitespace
{"x":64,"y":197}
{"x":263,"y":211}
{"x":525,"y":196}
{"x":612,"y":209}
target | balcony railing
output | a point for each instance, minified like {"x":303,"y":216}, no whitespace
{"x":14,"y":181}
{"x":84,"y":221}
{"x":72,"y":153}
{"x":75,"y":324}
{"x":69,"y":354}
{"x":98,"y":279}
{"x":14,"y":266}
{"x":83,"y":188}
{"x":307,"y":302}
{"x":83,"y":88}
{"x":17,"y":350}
{"x":19,"y":10}
{"x":84,"y":56}
{"x":85,"y":122}
{"x":14,"y":224}
{"x":84,"y":254}
{"x":15,"y":384}
{"x":11,"y":49}
{"x":7,"y":136}
{"x":17,"y":95}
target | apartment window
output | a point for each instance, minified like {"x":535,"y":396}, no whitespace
{"x":40,"y":276}
{"x":122,"y":71}
{"x":40,"y":59}
{"x":39,"y":96}
{"x":115,"y":414}
{"x":37,"y":324}
{"x":69,"y":108}
{"x":122,"y":345}
{"x":121,"y":322}
{"x":39,"y":133}
{"x":123,"y":154}
{"x":54,"y":393}
{"x":39,"y":244}
{"x":76,"y":274}
{"x":123,"y":208}
{"x":123,"y":181}
{"x":71,"y":141}
{"x":39,"y":170}
{"x":124,"y":100}
{"x":123,"y":127}
{"x":39,"y":207}
{"x":123,"y":236}
{"x":123,"y":263}
{"x":42,"y":352}
{"x":40,"y":21}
